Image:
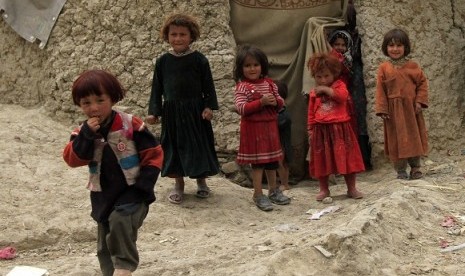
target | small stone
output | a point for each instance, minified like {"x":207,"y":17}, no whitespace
{"x":327,"y":200}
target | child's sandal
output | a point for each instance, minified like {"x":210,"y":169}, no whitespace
{"x":402,"y":175}
{"x":416,"y":175}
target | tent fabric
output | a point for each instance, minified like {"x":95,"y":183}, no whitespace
{"x":32,"y":19}
{"x":289,"y":35}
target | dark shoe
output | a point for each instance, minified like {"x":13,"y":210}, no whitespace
{"x":277,"y":197}
{"x":263,"y":203}
{"x":202,"y":191}
{"x":402,"y":175}
{"x":416,"y":175}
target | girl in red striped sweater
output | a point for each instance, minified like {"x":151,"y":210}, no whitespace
{"x":257,"y":101}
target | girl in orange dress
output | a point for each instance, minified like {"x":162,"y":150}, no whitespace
{"x":401,"y":94}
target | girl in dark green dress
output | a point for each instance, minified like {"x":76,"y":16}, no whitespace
{"x":183,"y":95}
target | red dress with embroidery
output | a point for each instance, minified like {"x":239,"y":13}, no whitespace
{"x":259,"y":134}
{"x":333,"y":143}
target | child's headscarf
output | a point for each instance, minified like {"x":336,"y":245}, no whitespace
{"x":348,"y":40}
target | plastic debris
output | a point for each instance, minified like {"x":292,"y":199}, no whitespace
{"x":7,"y":253}
{"x":27,"y":270}
{"x":453,"y":248}
{"x":449,"y":221}
{"x":330,"y":209}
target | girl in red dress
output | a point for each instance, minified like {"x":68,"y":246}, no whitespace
{"x":257,"y":101}
{"x":333,"y":143}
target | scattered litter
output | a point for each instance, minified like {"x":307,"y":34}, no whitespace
{"x":323,"y":251}
{"x":311,"y":211}
{"x":330,"y":209}
{"x":453,"y":248}
{"x":27,"y":270}
{"x":443,"y":243}
{"x":449,"y":221}
{"x":7,"y":253}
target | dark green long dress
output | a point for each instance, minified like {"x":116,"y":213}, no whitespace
{"x":182,"y":88}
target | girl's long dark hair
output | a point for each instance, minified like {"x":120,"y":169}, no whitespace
{"x":249,"y":50}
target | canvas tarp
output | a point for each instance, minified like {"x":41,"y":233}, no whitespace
{"x":289,"y":32}
{"x":32,"y":19}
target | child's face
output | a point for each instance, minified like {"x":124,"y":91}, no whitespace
{"x":395,"y":50}
{"x":340,"y":45}
{"x":97,"y":106}
{"x":179,"y":37}
{"x":252,"y":69}
{"x":324,"y":77}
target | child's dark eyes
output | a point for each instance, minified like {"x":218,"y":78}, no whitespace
{"x":85,"y":103}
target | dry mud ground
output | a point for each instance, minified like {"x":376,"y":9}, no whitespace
{"x":395,"y":230}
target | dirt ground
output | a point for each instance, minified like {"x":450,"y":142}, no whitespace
{"x":397,"y":229}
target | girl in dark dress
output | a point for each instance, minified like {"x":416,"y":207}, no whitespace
{"x":183,"y":95}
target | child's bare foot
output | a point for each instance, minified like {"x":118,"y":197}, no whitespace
{"x":322,"y":195}
{"x":355,"y":194}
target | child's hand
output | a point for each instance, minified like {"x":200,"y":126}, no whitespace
{"x":322,"y":90}
{"x":94,"y":124}
{"x":207,"y":114}
{"x":151,"y":120}
{"x":268,"y":99}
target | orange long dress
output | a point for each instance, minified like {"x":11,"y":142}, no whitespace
{"x":398,"y":90}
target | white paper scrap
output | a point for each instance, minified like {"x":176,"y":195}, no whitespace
{"x":27,"y":271}
{"x":326,"y":210}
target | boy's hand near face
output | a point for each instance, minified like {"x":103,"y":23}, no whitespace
{"x":94,"y":124}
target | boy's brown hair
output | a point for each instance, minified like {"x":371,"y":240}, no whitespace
{"x":97,"y":82}
{"x":184,"y":20}
{"x":320,"y":61}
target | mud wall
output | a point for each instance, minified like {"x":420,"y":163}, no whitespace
{"x":122,"y":36}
